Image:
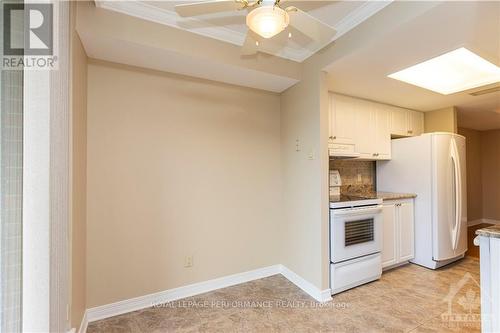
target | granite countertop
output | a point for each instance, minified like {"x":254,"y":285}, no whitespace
{"x":493,"y":231}
{"x":395,"y":196}
{"x":384,"y":195}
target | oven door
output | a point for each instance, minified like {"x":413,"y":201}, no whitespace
{"x":355,"y":232}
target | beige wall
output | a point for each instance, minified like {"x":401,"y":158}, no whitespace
{"x":483,"y":176}
{"x":474,"y":173}
{"x":490,"y":164}
{"x":177,"y":167}
{"x":78,"y":96}
{"x":302,"y":200}
{"x":444,"y":120}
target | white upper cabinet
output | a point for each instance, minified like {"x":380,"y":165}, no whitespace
{"x":382,"y":133}
{"x":342,"y":118}
{"x":372,"y":136}
{"x":366,"y":127}
{"x":406,"y":122}
{"x":415,"y":123}
{"x":399,"y":121}
{"x":365,"y":131}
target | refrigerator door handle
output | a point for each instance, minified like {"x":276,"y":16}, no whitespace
{"x":458,"y":194}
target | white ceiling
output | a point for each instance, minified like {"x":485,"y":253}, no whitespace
{"x":230,"y":27}
{"x":442,"y":28}
{"x":116,"y":37}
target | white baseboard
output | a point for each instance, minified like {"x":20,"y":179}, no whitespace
{"x":146,"y":301}
{"x":491,"y":221}
{"x":479,"y":221}
{"x":306,"y":286}
{"x":84,"y":323}
{"x":474,"y":222}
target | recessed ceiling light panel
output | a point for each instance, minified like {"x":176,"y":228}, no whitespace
{"x":451,"y":72}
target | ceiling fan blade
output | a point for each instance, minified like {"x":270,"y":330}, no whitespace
{"x":250,"y":47}
{"x":309,"y":25}
{"x":208,"y":7}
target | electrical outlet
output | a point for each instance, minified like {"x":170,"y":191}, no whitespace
{"x":360,"y":179}
{"x":188,"y":261}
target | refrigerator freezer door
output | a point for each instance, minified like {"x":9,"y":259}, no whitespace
{"x":449,"y":197}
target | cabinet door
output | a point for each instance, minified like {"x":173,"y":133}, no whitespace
{"x":342,"y":119}
{"x":415,"y":123}
{"x":365,"y":129}
{"x":382,"y":132}
{"x":389,"y":236}
{"x":399,"y":121}
{"x":406,"y":231}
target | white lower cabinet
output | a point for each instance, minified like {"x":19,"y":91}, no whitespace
{"x":398,"y":237}
{"x":490,"y":288}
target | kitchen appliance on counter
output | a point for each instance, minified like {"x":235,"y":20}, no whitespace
{"x":355,"y":241}
{"x":432,"y":166}
{"x":335,"y":183}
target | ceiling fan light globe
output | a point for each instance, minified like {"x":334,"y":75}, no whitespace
{"x":267,"y":21}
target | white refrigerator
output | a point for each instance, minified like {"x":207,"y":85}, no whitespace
{"x":433,"y":167}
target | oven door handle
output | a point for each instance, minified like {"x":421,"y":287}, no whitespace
{"x":357,"y":211}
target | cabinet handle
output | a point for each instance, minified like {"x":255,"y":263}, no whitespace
{"x":331,"y":137}
{"x":410,"y":132}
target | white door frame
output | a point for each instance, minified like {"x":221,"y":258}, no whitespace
{"x":46,"y":188}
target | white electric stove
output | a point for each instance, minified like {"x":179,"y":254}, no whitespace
{"x":355,"y":241}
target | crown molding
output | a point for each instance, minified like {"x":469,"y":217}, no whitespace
{"x":359,"y":15}
{"x":145,"y":11}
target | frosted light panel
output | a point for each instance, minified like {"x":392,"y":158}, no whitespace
{"x":451,"y":72}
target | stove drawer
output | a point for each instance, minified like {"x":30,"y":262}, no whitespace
{"x":355,"y":272}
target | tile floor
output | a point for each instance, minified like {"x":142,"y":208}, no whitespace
{"x":406,"y":299}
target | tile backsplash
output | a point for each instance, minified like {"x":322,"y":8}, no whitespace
{"x":349,"y":171}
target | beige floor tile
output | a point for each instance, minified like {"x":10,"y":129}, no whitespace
{"x":407,"y":299}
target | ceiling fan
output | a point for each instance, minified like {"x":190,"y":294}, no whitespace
{"x":264,"y":19}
